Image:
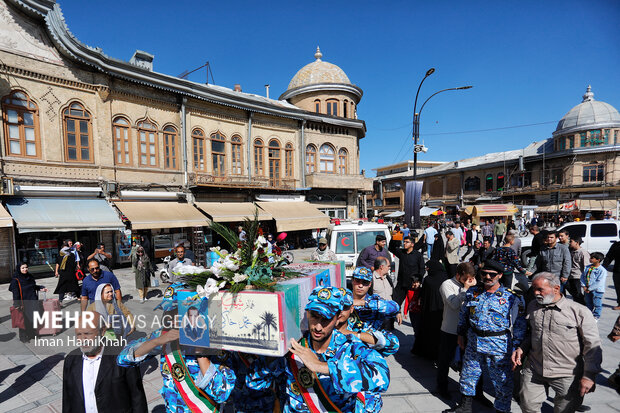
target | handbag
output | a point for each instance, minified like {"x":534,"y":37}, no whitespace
{"x":79,"y":274}
{"x":17,"y":313}
{"x":154,"y":281}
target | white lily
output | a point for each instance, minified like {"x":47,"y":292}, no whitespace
{"x":240,"y":277}
{"x":231,"y":264}
{"x":210,"y":287}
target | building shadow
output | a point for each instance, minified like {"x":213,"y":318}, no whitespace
{"x":31,"y":376}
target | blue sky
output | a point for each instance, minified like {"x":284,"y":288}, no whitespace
{"x":529,"y":61}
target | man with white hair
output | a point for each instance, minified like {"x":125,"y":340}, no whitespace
{"x":563,"y":349}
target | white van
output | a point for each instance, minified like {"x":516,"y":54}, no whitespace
{"x":596,"y":235}
{"x":349,"y":238}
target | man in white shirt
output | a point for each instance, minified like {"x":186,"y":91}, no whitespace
{"x":453,"y":295}
{"x":430,"y":239}
{"x":92,"y":381}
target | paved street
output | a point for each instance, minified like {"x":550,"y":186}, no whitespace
{"x":33,"y":383}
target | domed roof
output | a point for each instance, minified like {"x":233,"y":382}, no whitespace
{"x":589,"y":114}
{"x":318,"y":72}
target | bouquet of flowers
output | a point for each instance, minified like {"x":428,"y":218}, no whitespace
{"x":253,"y":264}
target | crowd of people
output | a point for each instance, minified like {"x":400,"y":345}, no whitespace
{"x":475,"y":304}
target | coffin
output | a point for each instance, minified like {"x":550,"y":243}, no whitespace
{"x":251,"y":321}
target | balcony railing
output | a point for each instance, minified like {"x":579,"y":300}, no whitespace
{"x":238,"y":181}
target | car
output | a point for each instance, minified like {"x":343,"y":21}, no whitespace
{"x":596,"y":235}
{"x":348,"y":238}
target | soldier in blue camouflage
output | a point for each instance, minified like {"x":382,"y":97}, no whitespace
{"x":210,"y":374}
{"x":491,"y":325}
{"x":242,"y":397}
{"x":326,"y":370}
{"x":371,"y":308}
{"x":385,"y":342}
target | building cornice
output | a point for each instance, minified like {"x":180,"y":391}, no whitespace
{"x":322,"y":87}
{"x":69,"y":46}
{"x":583,"y":128}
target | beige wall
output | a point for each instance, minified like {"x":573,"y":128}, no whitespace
{"x":307,"y":101}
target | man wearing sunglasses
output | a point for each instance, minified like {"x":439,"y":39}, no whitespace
{"x":96,"y":277}
{"x":491,"y":325}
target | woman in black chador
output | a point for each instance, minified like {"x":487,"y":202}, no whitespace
{"x":25,"y":296}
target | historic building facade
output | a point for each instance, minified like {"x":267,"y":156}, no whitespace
{"x":75,"y":119}
{"x":578,"y":167}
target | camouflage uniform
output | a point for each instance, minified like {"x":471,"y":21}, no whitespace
{"x":376,"y":310}
{"x":494,"y":324}
{"x":242,"y":397}
{"x":353,"y":366}
{"x":217,"y":382}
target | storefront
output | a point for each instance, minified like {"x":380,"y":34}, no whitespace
{"x":43,"y":223}
{"x":165,"y":224}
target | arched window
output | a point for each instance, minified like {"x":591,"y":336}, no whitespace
{"x":77,"y":133}
{"x":274,"y":162}
{"x":21,"y":125}
{"x":342,"y":161}
{"x":237,"y":165}
{"x":500,"y":181}
{"x":148,"y":143}
{"x":317,"y":106}
{"x":488,"y":186}
{"x":122,"y":143}
{"x":326,"y":159}
{"x":310,"y":159}
{"x":353,"y":114}
{"x":332,"y":107}
{"x":288,"y":160}
{"x":198,"y":142}
{"x":218,"y":153}
{"x":170,"y":148}
{"x":472,"y":183}
{"x":259,"y":161}
{"x":345,"y":108}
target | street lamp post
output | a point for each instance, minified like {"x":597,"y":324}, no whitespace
{"x":416,"y":129}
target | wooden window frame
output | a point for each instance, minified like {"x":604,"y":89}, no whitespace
{"x":503,"y":178}
{"x":236,"y":149}
{"x":343,"y":160}
{"x":218,"y":158}
{"x":77,"y":120}
{"x":332,"y":107}
{"x":317,"y":105}
{"x":593,"y":168}
{"x":21,"y":125}
{"x":331,"y":161}
{"x":487,"y":180}
{"x":345,"y":108}
{"x":148,"y":153}
{"x":275,"y":162}
{"x":288,"y":160}
{"x":173,"y":154}
{"x":198,"y":142}
{"x":116,"y":139}
{"x":259,"y":157}
{"x":311,"y":158}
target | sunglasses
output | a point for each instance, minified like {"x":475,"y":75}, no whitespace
{"x":490,"y":274}
{"x":363,"y":282}
{"x":94,"y":269}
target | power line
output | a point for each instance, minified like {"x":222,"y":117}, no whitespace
{"x":490,"y":129}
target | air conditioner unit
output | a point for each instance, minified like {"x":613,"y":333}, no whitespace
{"x":6,"y":186}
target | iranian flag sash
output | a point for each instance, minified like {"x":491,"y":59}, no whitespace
{"x":194,"y":397}
{"x":310,"y":387}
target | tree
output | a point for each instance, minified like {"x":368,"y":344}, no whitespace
{"x":269,"y":321}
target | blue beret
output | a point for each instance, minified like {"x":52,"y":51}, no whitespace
{"x":362,"y":273}
{"x":327,"y":301}
{"x":170,"y":297}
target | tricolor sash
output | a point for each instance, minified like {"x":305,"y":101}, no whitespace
{"x":194,"y":397}
{"x":310,"y":388}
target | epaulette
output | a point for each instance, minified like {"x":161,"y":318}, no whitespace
{"x":513,"y":292}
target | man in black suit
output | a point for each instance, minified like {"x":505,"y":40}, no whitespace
{"x":92,"y":377}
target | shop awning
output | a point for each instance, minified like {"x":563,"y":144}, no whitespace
{"x":547,"y":209}
{"x":63,"y":214}
{"x":469,"y":209}
{"x":596,"y":205}
{"x":395,"y":214}
{"x":232,"y":211}
{"x":161,"y":214}
{"x":426,"y":211}
{"x":295,"y":216}
{"x":494,"y":210}
{"x":5,"y":218}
